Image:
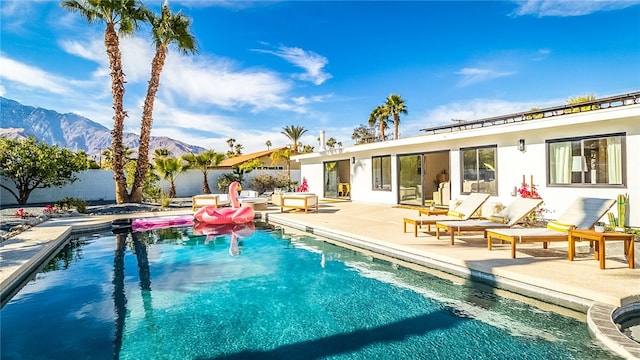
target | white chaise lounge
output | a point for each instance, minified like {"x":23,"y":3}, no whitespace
{"x":296,"y":200}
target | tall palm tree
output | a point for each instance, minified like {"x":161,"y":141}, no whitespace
{"x":161,"y":152}
{"x":167,"y":29}
{"x":268,"y":143}
{"x":121,"y":17}
{"x":168,"y":168}
{"x":283,"y":154}
{"x":294,"y":133}
{"x":202,"y":162}
{"x":396,"y":106}
{"x":380,"y":116}
{"x":238,"y":149}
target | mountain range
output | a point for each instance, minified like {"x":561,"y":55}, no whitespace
{"x":73,"y":131}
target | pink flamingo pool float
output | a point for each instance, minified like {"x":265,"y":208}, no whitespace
{"x":231,"y":215}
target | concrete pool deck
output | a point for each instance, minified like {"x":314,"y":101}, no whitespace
{"x":542,"y":274}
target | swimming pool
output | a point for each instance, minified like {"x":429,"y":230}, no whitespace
{"x":172,"y":294}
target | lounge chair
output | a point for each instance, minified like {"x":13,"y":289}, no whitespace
{"x":581,"y":214}
{"x":509,"y":216}
{"x":464,"y":211}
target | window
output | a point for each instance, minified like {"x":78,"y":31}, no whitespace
{"x":479,"y":170}
{"x":586,"y":161}
{"x":381,"y":172}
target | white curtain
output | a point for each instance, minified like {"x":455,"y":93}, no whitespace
{"x":560,"y":163}
{"x":614,"y":160}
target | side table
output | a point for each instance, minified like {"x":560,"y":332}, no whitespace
{"x":600,"y":238}
{"x":433,"y":211}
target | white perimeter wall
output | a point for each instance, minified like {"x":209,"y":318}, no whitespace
{"x":94,"y":185}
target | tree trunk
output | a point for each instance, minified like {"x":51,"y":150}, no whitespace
{"x":112,"y":44}
{"x":147,"y":122}
{"x":396,"y":123}
{"x":205,"y":185}
{"x":172,"y":189}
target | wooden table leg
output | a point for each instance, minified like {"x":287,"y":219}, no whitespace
{"x":601,"y":247}
{"x":630,"y":255}
{"x":572,"y":247}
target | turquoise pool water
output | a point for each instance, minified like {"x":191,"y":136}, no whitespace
{"x":171,"y":294}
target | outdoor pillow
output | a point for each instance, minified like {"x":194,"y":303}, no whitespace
{"x":554,"y":225}
{"x":455,"y":214}
{"x":500,"y":219}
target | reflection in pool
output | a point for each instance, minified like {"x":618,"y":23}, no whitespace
{"x":174,"y":294}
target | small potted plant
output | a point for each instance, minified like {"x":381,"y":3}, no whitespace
{"x":599,"y":227}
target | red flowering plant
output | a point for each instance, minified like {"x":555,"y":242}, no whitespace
{"x":536,"y":217}
{"x":48,"y":210}
{"x":22,"y":214}
{"x":529,"y":192}
{"x":303,"y":187}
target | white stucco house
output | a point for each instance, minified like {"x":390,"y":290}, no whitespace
{"x":591,"y":149}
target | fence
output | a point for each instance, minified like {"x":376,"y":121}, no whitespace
{"x":98,"y":185}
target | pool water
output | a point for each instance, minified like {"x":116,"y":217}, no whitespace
{"x":172,"y":294}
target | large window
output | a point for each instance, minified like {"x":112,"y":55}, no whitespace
{"x":381,"y":176}
{"x":586,"y":161}
{"x":479,"y":170}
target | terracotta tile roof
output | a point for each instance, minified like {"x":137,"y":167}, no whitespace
{"x":237,"y":160}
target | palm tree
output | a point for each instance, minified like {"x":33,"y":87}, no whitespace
{"x":380,"y":116}
{"x":239,"y":148}
{"x":283,"y":155}
{"x":268,"y":143}
{"x":166,"y":29}
{"x":331,"y":143}
{"x":127,"y":153}
{"x":396,"y":106}
{"x":121,"y":17}
{"x":230,"y":142}
{"x":294,"y":133}
{"x":161,"y":152}
{"x":202,"y":162}
{"x":168,"y":168}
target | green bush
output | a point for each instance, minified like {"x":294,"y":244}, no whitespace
{"x":165,"y":200}
{"x":266,"y":182}
{"x":69,"y":203}
{"x":225,"y":180}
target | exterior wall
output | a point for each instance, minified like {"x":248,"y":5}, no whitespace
{"x":511,"y":163}
{"x":98,"y":185}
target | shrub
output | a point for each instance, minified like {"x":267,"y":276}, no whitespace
{"x":267,"y":182}
{"x":68,"y":203}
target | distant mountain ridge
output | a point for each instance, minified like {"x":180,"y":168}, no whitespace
{"x":73,"y":131}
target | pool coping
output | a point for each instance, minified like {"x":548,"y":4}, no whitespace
{"x":600,"y":317}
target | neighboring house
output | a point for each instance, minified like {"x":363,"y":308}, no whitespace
{"x":590,"y":149}
{"x":264,"y":156}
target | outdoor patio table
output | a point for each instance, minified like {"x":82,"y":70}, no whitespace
{"x":600,"y":238}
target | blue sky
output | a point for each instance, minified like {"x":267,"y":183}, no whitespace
{"x":326,"y":65}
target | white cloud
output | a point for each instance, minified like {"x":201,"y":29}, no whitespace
{"x":475,"y":75}
{"x":311,"y":62}
{"x":32,"y":77}
{"x":474,"y":109}
{"x":541,"y":54}
{"x":16,"y":14}
{"x":218,"y":82}
{"x":564,"y":8}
